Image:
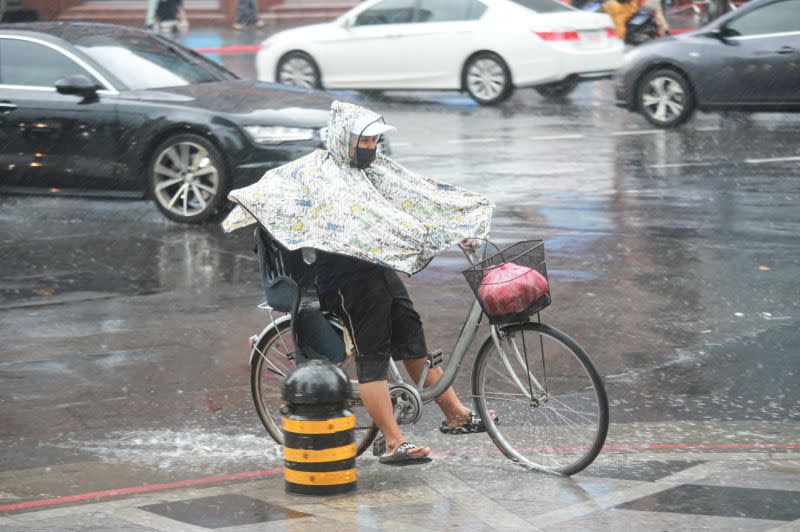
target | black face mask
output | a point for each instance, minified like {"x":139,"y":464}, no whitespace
{"x":364,"y":157}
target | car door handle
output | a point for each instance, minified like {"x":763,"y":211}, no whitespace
{"x":784,"y":50}
{"x":6,"y":107}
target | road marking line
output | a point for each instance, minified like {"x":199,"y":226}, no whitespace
{"x":141,"y":489}
{"x":679,"y":165}
{"x":709,"y":128}
{"x":224,"y":50}
{"x":772,"y":160}
{"x":637,"y":132}
{"x":558,"y":137}
{"x":471,"y":141}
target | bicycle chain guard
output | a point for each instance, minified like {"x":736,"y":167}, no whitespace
{"x":407,"y":403}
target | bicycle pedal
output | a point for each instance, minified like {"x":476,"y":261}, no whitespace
{"x":436,"y":358}
{"x":379,"y":446}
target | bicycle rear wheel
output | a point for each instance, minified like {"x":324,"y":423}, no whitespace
{"x":550,"y":401}
{"x":269,"y":370}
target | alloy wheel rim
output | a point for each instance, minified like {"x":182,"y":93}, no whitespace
{"x":187,"y":181}
{"x":486,"y":79}
{"x":298,"y":72}
{"x":664,"y":99}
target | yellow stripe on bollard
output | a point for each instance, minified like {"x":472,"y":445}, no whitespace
{"x":328,"y":426}
{"x":326,"y":455}
{"x":330,"y":478}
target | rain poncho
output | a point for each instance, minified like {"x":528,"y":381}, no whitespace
{"x":385,"y":214}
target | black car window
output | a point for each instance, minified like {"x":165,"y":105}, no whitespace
{"x":143,"y":61}
{"x":779,"y":17}
{"x":449,"y":10}
{"x":543,"y":6}
{"x":34,"y":65}
{"x":387,"y":12}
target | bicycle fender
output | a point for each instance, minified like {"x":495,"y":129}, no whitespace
{"x":267,"y":330}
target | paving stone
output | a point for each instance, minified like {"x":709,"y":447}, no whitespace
{"x":300,"y":524}
{"x":755,"y":478}
{"x":223,"y":511}
{"x":723,"y":501}
{"x":616,"y":520}
{"x":641,"y":471}
{"x":75,"y":523}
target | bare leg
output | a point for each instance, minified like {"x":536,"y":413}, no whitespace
{"x":454,"y":411}
{"x":375,"y":396}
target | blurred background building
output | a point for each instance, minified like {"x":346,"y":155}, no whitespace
{"x":201,"y":12}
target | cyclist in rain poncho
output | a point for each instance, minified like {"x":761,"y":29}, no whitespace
{"x":367,"y":216}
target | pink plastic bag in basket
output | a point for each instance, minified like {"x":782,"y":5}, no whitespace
{"x":510,"y":288}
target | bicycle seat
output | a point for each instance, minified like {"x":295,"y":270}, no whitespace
{"x":289,"y":286}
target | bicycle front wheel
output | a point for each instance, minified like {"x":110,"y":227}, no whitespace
{"x":269,"y":370}
{"x":550,"y":402}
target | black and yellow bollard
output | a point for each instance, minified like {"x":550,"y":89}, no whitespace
{"x":319,"y":450}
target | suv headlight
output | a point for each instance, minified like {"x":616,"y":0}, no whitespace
{"x":278,"y":134}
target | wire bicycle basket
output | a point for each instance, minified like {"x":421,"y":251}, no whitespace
{"x":512,"y":284}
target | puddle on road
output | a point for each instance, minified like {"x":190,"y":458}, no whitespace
{"x":165,"y":449}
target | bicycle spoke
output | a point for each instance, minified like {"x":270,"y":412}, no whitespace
{"x":579,"y":414}
{"x":525,"y":402}
{"x":272,"y":366}
{"x":559,"y":422}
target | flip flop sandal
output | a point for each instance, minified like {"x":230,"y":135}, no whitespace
{"x":472,"y":425}
{"x":400,"y":456}
{"x":379,"y":446}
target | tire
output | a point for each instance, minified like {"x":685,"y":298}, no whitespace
{"x":275,"y":345}
{"x":665,"y":98}
{"x":298,"y":69}
{"x":487,"y":79}
{"x":559,"y":89}
{"x":187,"y":178}
{"x":567,"y":379}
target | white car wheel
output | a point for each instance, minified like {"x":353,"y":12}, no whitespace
{"x":298,"y":70}
{"x":487,"y":79}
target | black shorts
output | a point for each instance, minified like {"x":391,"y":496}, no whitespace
{"x":382,"y":322}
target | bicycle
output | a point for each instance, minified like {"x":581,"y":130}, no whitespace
{"x":552,"y":408}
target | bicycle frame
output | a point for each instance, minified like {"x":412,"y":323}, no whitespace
{"x":450,"y":369}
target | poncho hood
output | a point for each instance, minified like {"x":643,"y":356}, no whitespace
{"x":385,"y":214}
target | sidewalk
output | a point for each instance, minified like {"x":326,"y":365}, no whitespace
{"x":748,"y":486}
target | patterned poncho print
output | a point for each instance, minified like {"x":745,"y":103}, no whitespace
{"x":385,"y":214}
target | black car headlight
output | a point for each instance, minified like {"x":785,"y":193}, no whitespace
{"x":278,"y":134}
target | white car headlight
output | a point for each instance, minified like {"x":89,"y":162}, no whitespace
{"x":278,"y":134}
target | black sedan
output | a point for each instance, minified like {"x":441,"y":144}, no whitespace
{"x":747,"y":60}
{"x":88,"y":107}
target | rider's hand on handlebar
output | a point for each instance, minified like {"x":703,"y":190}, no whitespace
{"x":470,"y":244}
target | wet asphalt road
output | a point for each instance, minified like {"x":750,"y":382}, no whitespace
{"x":673,"y":256}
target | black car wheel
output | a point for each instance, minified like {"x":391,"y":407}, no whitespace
{"x":188,"y":178}
{"x":299,"y":70}
{"x":665,"y":98}
{"x":487,"y":79}
{"x":559,"y":89}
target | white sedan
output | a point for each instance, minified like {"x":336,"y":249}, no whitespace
{"x":486,"y":47}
